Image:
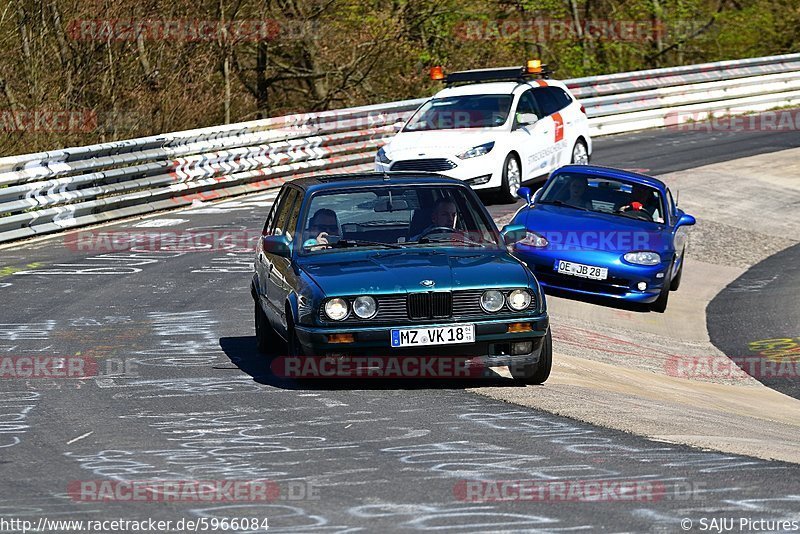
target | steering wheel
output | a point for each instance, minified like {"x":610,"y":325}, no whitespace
{"x":437,"y":229}
{"x":641,"y":214}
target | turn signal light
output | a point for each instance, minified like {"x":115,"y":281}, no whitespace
{"x":341,"y":338}
{"x":437,"y":73}
{"x":519,"y":327}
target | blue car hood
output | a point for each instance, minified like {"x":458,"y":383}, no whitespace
{"x":382,"y":271}
{"x":576,"y":229}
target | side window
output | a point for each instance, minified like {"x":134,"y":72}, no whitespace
{"x":551,"y":99}
{"x":284,"y":211}
{"x":527,"y":104}
{"x":673,"y":210}
{"x":294,"y":214}
{"x":267,"y":230}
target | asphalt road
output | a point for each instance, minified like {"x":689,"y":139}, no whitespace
{"x":756,"y":319}
{"x":176,"y":391}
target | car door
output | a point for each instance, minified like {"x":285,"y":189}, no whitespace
{"x":266,"y":262}
{"x":552,"y":102}
{"x":531,"y":141}
{"x":281,"y":274}
{"x":263,"y":263}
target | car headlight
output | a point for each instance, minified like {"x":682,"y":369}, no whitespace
{"x":492,"y":300}
{"x":365,"y":307}
{"x":519,"y":299}
{"x":381,"y":156}
{"x":336,"y":309}
{"x":643,"y":258}
{"x":476,"y":151}
{"x":532,"y":239}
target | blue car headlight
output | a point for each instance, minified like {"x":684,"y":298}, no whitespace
{"x":365,"y":307}
{"x":532,"y":239}
{"x":643,"y":258}
{"x":476,"y":151}
{"x":492,"y":300}
{"x":519,"y":299}
{"x":381,"y":156}
{"x":336,"y":309}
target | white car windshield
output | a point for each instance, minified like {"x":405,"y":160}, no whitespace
{"x":468,"y":111}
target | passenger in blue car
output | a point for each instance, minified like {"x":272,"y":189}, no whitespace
{"x":578,"y":187}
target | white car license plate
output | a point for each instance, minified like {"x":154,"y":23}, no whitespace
{"x":581,"y":270}
{"x":434,"y":335}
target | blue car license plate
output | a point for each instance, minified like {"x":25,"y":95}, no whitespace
{"x":434,"y":335}
{"x":581,"y":270}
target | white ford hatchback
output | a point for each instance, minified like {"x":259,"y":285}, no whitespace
{"x":492,"y":128}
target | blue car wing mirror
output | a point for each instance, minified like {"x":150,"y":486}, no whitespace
{"x":685,"y":220}
{"x":277,"y":244}
{"x":525,"y":194}
{"x":511,"y":233}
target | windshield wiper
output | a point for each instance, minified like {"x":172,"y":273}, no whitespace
{"x":345,"y":243}
{"x":464,"y":242}
{"x":564,"y":204}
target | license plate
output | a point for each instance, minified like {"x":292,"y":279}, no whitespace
{"x":434,"y":335}
{"x":581,"y":270}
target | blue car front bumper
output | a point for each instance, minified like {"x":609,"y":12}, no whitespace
{"x":492,"y":345}
{"x":621,"y":283}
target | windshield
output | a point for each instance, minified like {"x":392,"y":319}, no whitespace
{"x":604,"y":195}
{"x":396,"y":217}
{"x":469,"y":111}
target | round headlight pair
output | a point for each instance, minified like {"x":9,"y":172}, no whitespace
{"x":493,"y":300}
{"x":364,"y":307}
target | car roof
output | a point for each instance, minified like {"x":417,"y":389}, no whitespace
{"x":610,"y":172}
{"x":495,"y":88}
{"x":366,"y":179}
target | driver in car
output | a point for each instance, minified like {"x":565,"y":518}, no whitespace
{"x":323,"y":224}
{"x":443,"y":217}
{"x":642,"y":199}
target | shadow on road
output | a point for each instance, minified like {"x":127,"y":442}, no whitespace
{"x":599,"y":301}
{"x":243,"y":354}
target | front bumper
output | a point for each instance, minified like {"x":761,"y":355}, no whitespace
{"x":468,"y":170}
{"x":492,"y":345}
{"x":621,"y":283}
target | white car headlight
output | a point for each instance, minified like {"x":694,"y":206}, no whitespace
{"x":492,"y":300}
{"x":532,"y":239}
{"x":476,"y":151}
{"x":381,"y":156}
{"x":643,"y":258}
{"x":519,"y":299}
{"x":336,"y":309}
{"x":365,"y":307}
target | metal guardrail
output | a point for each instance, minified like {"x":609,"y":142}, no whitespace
{"x":57,"y":190}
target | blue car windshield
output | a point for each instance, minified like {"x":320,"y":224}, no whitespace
{"x":604,"y":195}
{"x":468,"y":111}
{"x":396,"y":217}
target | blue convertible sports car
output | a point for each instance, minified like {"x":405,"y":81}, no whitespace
{"x":395,"y":266}
{"x":606,"y":232}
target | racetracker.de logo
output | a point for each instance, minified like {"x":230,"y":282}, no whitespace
{"x":559,"y":490}
{"x":47,"y":367}
{"x":191,"y":491}
{"x":187,"y":30}
{"x":543,"y":30}
{"x":732,"y":120}
{"x":735,"y":367}
{"x":162,"y":241}
{"x":377,"y":367}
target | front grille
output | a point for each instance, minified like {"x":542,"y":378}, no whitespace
{"x":428,"y":306}
{"x":424,"y":165}
{"x":433,"y":305}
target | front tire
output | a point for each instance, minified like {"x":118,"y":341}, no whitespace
{"x":512,"y":179}
{"x":539,"y":372}
{"x":580,"y":153}
{"x":676,"y":280}
{"x":265,"y":335}
{"x":660,"y":304}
